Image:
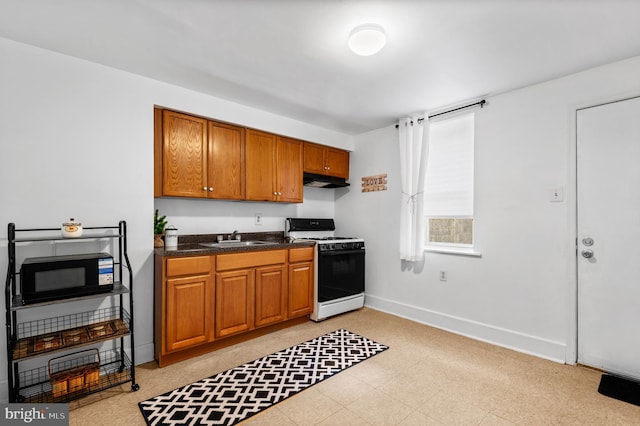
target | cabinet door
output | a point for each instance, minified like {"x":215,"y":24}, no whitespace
{"x":325,"y":160}
{"x":184,"y":155}
{"x":337,"y":162}
{"x":313,"y":158}
{"x":289,"y":170}
{"x":271,"y":290}
{"x":260,"y":166}
{"x":189,"y":315}
{"x":300,"y":289}
{"x":234,"y":301}
{"x":225,"y":166}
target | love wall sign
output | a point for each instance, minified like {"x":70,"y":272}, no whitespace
{"x":374,"y":183}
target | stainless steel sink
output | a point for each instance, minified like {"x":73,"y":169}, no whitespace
{"x":234,"y":243}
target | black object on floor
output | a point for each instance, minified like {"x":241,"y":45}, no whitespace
{"x":620,"y":388}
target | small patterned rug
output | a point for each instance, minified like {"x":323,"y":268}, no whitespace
{"x":241,"y":392}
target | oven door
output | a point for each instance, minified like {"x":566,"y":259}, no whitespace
{"x":340,"y":274}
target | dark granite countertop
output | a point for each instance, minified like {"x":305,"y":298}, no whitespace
{"x":190,"y":245}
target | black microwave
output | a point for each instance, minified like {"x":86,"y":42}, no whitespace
{"x":59,"y":277}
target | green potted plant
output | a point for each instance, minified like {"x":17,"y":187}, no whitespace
{"x":159,"y":223}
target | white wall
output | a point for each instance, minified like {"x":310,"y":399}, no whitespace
{"x":76,"y":140}
{"x":521,"y":292}
{"x":192,"y":216}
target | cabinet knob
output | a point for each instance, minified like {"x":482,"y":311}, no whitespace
{"x":210,"y":189}
{"x":204,"y":188}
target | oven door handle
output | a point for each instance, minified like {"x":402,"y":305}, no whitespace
{"x":341,"y":252}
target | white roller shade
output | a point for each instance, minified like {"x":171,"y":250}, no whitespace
{"x":449,"y":177}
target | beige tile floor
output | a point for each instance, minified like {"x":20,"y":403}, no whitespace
{"x":427,"y":377}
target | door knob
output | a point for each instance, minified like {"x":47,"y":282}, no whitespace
{"x":587,"y":254}
{"x":587,"y":241}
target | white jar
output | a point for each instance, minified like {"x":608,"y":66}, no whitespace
{"x":170,"y":237}
{"x":72,"y":229}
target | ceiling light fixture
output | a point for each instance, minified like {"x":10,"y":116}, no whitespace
{"x":367,"y":40}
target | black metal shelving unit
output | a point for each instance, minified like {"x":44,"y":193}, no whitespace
{"x":41,"y":338}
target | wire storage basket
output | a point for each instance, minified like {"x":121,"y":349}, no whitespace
{"x":75,"y":372}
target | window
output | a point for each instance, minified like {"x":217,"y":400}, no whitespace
{"x":449,"y":183}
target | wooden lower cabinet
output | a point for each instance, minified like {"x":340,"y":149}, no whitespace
{"x":301,"y":275}
{"x":206,"y":302}
{"x":271,"y":295}
{"x":234,"y":296}
{"x":252,"y":292}
{"x":184,"y":302}
{"x":188,"y":311}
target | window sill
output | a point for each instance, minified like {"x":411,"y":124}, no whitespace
{"x":459,"y":251}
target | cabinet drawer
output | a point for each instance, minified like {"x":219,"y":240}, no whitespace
{"x":188,"y":265}
{"x":250,"y":259}
{"x":301,"y":254}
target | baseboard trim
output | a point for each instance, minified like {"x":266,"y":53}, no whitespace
{"x":510,"y":339}
{"x":144,"y":353}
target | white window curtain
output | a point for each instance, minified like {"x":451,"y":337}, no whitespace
{"x":413,"y":133}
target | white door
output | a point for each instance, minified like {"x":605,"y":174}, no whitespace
{"x":608,"y":173}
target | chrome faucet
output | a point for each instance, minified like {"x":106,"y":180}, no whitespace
{"x":233,"y":235}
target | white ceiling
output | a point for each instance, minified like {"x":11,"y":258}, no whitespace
{"x":291,"y":57}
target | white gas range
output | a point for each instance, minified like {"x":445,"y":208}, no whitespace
{"x":339,"y":266}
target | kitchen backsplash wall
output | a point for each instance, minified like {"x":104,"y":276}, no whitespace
{"x":194,"y":216}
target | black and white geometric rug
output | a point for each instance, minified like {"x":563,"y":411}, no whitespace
{"x":241,"y":392}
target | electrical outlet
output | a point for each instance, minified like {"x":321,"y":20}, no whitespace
{"x":258,"y":219}
{"x":443,"y":275}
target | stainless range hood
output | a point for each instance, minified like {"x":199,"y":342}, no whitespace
{"x":323,"y":181}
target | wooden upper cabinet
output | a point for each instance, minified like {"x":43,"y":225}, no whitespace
{"x":314,"y":158}
{"x":337,"y":161}
{"x":225,"y":165}
{"x":273,"y":167}
{"x":326,"y":160}
{"x":200,"y":158}
{"x":196,"y":157}
{"x":260,"y":166}
{"x":184,"y":155}
{"x":289,"y":166}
